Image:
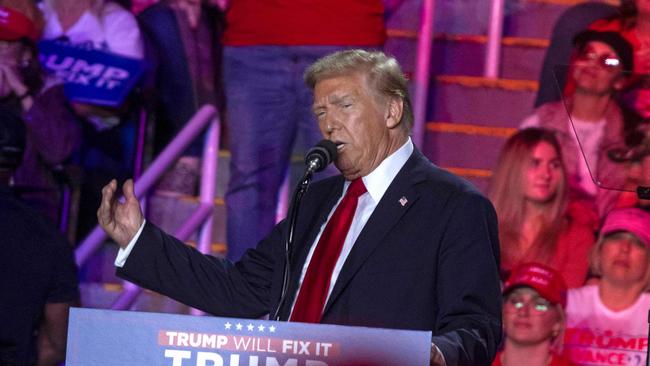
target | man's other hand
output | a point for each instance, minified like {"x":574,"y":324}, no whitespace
{"x":120,"y":220}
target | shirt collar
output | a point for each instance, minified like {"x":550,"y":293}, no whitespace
{"x":378,"y":180}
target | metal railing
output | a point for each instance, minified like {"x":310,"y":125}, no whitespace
{"x":421,"y":79}
{"x":422,"y":72}
{"x":200,"y":218}
{"x":495,"y":34}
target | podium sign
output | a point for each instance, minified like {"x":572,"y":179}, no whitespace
{"x":105,"y":337}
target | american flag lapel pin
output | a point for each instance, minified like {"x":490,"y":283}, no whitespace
{"x":403,"y":201}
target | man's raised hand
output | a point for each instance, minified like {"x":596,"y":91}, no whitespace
{"x":120,"y":220}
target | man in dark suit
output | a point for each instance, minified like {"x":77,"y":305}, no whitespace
{"x":415,"y":247}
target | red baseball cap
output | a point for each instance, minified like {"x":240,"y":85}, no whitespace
{"x":543,"y":279}
{"x":15,"y":25}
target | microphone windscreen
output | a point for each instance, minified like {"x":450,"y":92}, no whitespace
{"x":325,"y":152}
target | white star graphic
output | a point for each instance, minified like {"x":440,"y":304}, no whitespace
{"x":250,"y":327}
{"x":228,"y":325}
{"x":260,"y":328}
{"x":238,"y":326}
{"x":272,"y":329}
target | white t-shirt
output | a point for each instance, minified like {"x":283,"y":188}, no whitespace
{"x":590,"y":134}
{"x":114,"y":29}
{"x":596,"y":335}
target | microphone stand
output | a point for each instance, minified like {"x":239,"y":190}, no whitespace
{"x":299,"y":192}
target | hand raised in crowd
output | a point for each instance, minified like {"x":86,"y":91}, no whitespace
{"x":120,"y":220}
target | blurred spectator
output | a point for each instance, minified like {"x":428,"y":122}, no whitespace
{"x":101,"y":24}
{"x":536,"y":220}
{"x":573,"y":21}
{"x":595,"y":122}
{"x":108,"y":145}
{"x":184,"y":46}
{"x":38,"y":279}
{"x":606,"y":323}
{"x":533,"y":318}
{"x":633,"y":23}
{"x":268,"y":45}
{"x":638,"y":159}
{"x":52,"y":129}
{"x":96,"y":24}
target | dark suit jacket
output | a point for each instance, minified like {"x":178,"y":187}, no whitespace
{"x":430,"y":264}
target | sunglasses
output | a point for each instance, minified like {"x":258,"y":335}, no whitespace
{"x":606,"y":61}
{"x":537,"y":306}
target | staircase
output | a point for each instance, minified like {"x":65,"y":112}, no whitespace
{"x":469,"y":117}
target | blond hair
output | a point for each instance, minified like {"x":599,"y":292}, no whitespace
{"x":506,"y":191}
{"x":383,"y":74}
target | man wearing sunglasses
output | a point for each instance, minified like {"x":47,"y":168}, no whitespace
{"x":588,"y":120}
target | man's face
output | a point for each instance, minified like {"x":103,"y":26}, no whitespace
{"x":597,"y":69}
{"x":361,"y":123}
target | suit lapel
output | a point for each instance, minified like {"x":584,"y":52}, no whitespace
{"x":397,"y":200}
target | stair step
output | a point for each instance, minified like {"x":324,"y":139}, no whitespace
{"x":463,"y":151}
{"x":523,"y":18}
{"x":413,"y":35}
{"x":483,"y":82}
{"x":465,"y":55}
{"x":470,"y":129}
{"x":535,"y":19}
{"x":483,"y":101}
{"x":478,"y":177}
{"x":448,"y":16}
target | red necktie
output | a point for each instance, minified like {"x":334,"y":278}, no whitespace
{"x":315,"y":285}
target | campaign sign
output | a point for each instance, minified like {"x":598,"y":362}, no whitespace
{"x":106,"y":337}
{"x":90,"y":75}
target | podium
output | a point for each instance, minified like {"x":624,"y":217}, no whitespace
{"x":106,"y":337}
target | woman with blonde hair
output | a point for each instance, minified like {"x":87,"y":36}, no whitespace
{"x":536,"y":220}
{"x":534,"y":297}
{"x":606,"y":322}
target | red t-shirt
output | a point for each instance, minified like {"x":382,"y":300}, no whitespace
{"x":305,"y":22}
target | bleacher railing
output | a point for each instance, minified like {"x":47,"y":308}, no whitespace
{"x":422,"y":72}
{"x":495,"y":35}
{"x":201,"y":218}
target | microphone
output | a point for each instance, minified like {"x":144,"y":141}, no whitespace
{"x":317,"y":158}
{"x":320,"y":156}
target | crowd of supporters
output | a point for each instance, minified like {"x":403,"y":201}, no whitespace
{"x":575,"y":238}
